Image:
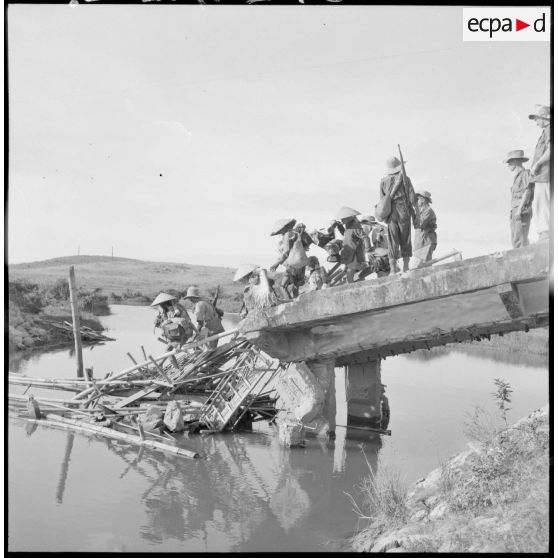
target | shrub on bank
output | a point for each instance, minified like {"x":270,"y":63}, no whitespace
{"x":490,"y":498}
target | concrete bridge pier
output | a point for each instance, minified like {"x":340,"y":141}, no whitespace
{"x":363,"y":386}
{"x":324,"y":371}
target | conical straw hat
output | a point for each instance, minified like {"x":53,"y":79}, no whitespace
{"x":163,"y":297}
{"x":281,"y":224}
{"x":244,"y":270}
{"x":345,"y":212}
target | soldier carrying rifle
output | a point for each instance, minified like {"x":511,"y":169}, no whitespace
{"x":397,"y":208}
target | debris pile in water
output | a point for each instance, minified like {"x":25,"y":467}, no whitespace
{"x":189,"y":389}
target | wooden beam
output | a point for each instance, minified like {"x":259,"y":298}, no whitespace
{"x":510,"y":298}
{"x":75,"y":323}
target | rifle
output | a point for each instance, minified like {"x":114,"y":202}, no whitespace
{"x":215,"y":297}
{"x":405,"y":184}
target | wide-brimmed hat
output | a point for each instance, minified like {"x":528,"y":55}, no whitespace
{"x":345,"y":212}
{"x":193,"y":292}
{"x":394,"y":165}
{"x":368,"y":220}
{"x":543,"y":112}
{"x":516,"y":154}
{"x":162,"y":297}
{"x":244,"y":270}
{"x":281,"y":225}
{"x":425,"y":194}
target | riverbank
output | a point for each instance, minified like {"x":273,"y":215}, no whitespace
{"x":33,"y":311}
{"x":135,"y":282}
{"x":492,"y":497}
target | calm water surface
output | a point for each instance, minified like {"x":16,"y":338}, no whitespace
{"x":72,"y":492}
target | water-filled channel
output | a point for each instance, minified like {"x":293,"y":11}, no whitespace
{"x":72,"y":492}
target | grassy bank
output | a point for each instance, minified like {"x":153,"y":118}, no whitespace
{"x":493,"y":497}
{"x":31,"y":306}
{"x":129,"y":281}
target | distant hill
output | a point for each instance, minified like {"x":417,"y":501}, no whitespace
{"x":126,"y":276}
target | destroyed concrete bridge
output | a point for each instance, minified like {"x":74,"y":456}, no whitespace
{"x":358,"y":324}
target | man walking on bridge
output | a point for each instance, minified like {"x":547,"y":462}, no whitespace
{"x":398,"y":213}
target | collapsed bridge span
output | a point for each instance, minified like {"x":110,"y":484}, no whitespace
{"x":358,"y":324}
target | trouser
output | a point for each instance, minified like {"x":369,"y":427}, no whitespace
{"x":399,"y":231}
{"x":541,"y":208}
{"x":292,"y":280}
{"x":519,"y":226}
{"x":424,"y":239}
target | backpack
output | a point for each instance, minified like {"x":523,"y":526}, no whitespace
{"x":297,"y":257}
{"x":174,"y":331}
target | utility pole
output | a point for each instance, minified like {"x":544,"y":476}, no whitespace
{"x":75,"y":323}
{"x":78,"y":249}
{"x":112,"y":251}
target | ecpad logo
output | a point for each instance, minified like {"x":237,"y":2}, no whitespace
{"x":506,"y":24}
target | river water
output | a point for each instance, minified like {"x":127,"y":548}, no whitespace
{"x":72,"y":492}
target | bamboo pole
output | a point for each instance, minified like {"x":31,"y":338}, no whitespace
{"x":160,"y":370}
{"x":75,"y":321}
{"x":110,"y":433}
{"x":86,"y":392}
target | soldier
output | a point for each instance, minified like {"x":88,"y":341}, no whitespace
{"x":401,"y":211}
{"x":205,"y":315}
{"x":174,"y":320}
{"x":352,"y":253}
{"x":318,"y":276}
{"x":425,"y":227}
{"x":521,"y":199}
{"x":293,"y":246}
{"x":540,"y":173}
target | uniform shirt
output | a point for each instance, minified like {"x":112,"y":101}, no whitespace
{"x":426,"y":219}
{"x":354,"y":236}
{"x":519,"y":186}
{"x":542,"y":146}
{"x":205,"y":313}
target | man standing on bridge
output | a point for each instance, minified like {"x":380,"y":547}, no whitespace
{"x":398,"y":213}
{"x":425,"y":225}
{"x":540,"y":173}
{"x":521,"y":198}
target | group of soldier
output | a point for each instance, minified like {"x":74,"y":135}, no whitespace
{"x":177,"y":326}
{"x":530,"y":190}
{"x":359,"y":247}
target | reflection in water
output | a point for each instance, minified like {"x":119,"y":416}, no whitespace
{"x":244,"y":485}
{"x":482,"y":350}
{"x":64,"y":468}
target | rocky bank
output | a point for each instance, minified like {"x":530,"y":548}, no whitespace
{"x":492,"y":497}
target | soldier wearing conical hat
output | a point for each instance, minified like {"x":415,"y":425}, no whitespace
{"x":173,"y":319}
{"x":353,"y":251}
{"x":521,"y":198}
{"x":403,"y":208}
{"x":540,"y":172}
{"x":425,"y":225}
{"x":294,"y":244}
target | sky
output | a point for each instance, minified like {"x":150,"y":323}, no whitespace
{"x":182,"y":133}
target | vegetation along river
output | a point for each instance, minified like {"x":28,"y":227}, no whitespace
{"x":71,"y":492}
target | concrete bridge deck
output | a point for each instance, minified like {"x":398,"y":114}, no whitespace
{"x":453,"y":302}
